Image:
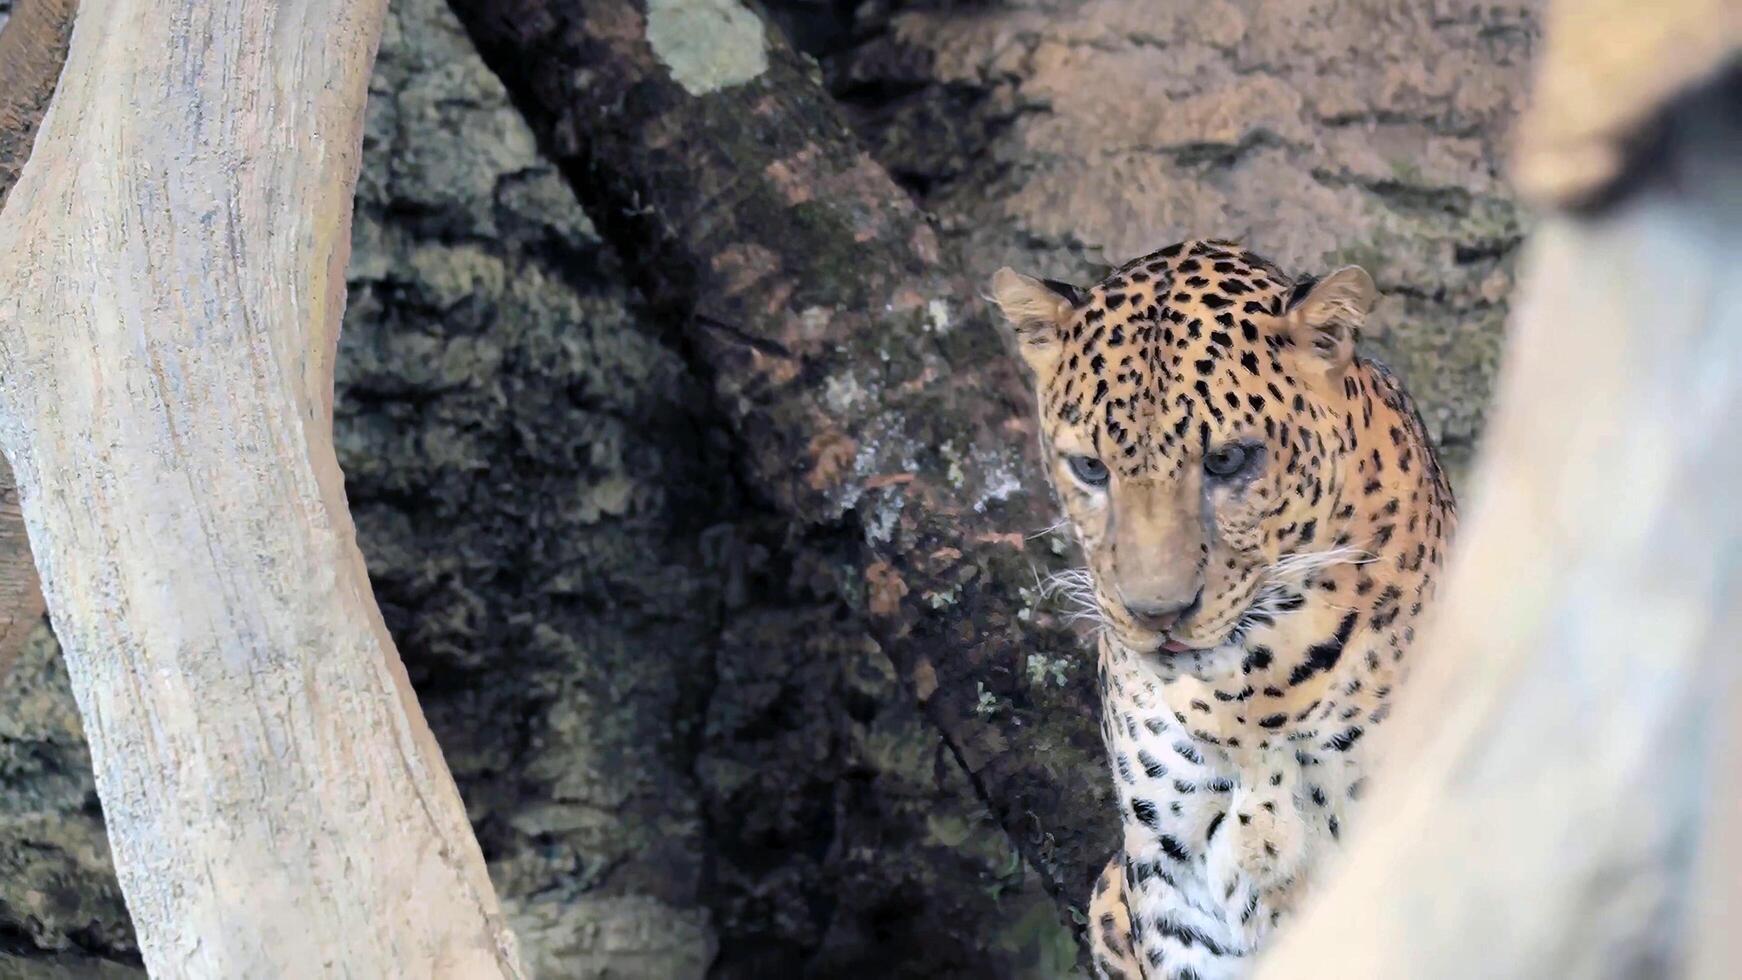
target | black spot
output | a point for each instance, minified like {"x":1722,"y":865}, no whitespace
{"x":1342,"y":741}
{"x":1216,"y":302}
{"x":1323,"y":656}
{"x":1188,"y":937}
{"x":1215,"y":825}
{"x":1272,"y":721}
{"x":1258,"y":659}
{"x":1151,"y":766}
{"x":1173,"y":848}
{"x":1145,"y":813}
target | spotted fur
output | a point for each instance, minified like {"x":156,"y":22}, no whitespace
{"x":1255,"y":618}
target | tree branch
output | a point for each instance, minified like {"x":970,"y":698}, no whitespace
{"x":1571,"y":729}
{"x":867,"y":391}
{"x":171,"y":281}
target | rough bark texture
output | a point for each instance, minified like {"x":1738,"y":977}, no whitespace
{"x":571,"y":530}
{"x":1062,"y":135}
{"x":1571,"y":730}
{"x":814,"y":294}
{"x":274,"y":799}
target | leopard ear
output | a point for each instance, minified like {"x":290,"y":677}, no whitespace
{"x":1326,"y":320}
{"x":1037,"y":311}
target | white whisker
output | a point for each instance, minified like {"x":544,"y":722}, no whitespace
{"x":1043,"y":532}
{"x":1280,"y":589}
{"x":1073,"y":590}
{"x":1300,"y":567}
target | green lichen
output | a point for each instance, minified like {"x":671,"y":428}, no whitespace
{"x":707,"y":45}
{"x":1044,"y":670}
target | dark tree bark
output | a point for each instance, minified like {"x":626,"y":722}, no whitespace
{"x":840,"y":343}
{"x":33,"y":46}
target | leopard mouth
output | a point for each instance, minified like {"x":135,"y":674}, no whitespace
{"x":1172,"y":644}
{"x":1231,"y":631}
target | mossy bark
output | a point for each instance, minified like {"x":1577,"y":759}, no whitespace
{"x":869,"y":398}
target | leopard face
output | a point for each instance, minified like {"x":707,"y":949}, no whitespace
{"x":1198,"y":424}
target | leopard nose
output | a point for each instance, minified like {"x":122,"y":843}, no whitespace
{"x":1159,"y":613}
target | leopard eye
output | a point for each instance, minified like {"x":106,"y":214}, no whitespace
{"x":1088,"y":470}
{"x":1225,"y":461}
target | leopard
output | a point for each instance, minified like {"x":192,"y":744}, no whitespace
{"x":1263,"y":519}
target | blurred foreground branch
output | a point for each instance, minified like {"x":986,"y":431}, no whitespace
{"x":1567,"y":807}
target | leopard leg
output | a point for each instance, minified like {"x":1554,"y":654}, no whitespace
{"x":1110,"y":942}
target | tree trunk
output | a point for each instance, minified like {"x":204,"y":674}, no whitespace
{"x":171,"y":283}
{"x":1571,"y":737}
{"x":840,"y":347}
{"x":33,"y":46}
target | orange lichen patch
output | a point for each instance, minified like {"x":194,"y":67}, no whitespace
{"x":925,"y":244}
{"x":833,"y":453}
{"x":920,"y":382}
{"x":925,"y":680}
{"x":947,"y":554}
{"x":886,"y":591}
{"x":907,"y":298}
{"x":744,"y":265}
{"x":795,"y":177}
{"x":888,"y":480}
{"x":778,"y":370}
{"x":1013,"y":539}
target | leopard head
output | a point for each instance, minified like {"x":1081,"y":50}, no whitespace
{"x":1197,"y":422}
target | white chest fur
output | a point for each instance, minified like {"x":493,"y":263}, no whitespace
{"x":1218,"y":842}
